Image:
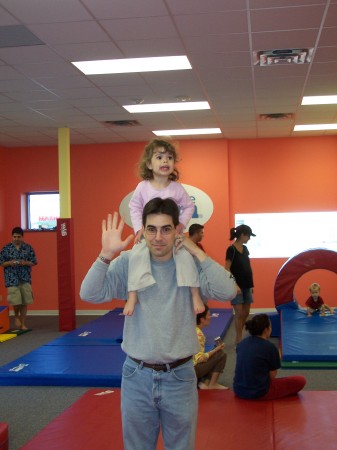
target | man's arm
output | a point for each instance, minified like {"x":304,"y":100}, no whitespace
{"x":215,"y":281}
{"x":96,"y":287}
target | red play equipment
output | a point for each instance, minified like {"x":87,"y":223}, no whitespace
{"x":298,"y":265}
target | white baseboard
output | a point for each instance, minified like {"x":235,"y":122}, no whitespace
{"x":55,"y":312}
{"x":101,"y":312}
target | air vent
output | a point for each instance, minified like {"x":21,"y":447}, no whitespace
{"x":283,"y":56}
{"x":17,"y":36}
{"x":277,"y":116}
{"x":122,"y":123}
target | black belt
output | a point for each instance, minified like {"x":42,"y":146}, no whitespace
{"x":163,"y":367}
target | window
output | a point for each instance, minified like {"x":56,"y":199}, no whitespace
{"x":283,"y":235}
{"x":43,"y":208}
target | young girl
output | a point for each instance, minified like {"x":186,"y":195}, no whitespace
{"x":157,"y":168}
{"x":237,"y":262}
{"x":257,"y":362}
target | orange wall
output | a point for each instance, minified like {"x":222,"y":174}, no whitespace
{"x":241,"y":176}
{"x":102,"y":176}
{"x":283,"y":175}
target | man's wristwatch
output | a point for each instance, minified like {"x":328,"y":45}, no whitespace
{"x":105,"y":260}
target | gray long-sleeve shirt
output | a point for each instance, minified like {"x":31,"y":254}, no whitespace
{"x":162,"y":327}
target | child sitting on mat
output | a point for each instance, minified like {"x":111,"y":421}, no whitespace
{"x":315,"y":302}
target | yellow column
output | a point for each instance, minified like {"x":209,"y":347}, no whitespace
{"x":64,"y":172}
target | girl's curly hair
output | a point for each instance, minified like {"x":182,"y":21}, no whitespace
{"x":144,"y":171}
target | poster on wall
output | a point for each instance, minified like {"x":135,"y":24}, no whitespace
{"x":203,"y":206}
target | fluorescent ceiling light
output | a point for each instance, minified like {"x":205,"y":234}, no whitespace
{"x":320,"y":100}
{"x":187,"y":132}
{"x":316,"y":127}
{"x":159,"y":107}
{"x":130,"y":65}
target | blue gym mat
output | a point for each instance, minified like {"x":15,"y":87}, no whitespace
{"x":106,"y":330}
{"x":88,"y":356}
{"x":220,"y":321}
{"x":66,"y":366}
{"x":308,"y":339}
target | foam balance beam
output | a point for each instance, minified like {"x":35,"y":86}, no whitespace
{"x":4,"y":319}
{"x":306,"y":421}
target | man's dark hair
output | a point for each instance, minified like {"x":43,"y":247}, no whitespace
{"x":194,"y":228}
{"x":17,"y":230}
{"x":161,"y":206}
{"x":202,"y":315}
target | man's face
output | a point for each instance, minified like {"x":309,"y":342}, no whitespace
{"x":200,"y":235}
{"x":17,"y":239}
{"x":160,"y":234}
{"x":207,"y":320}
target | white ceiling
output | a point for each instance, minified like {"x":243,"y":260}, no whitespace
{"x":41,"y":91}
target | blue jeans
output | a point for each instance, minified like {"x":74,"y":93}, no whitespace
{"x":159,"y":400}
{"x":245,"y":296}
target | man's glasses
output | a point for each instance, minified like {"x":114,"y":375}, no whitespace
{"x":165,"y":230}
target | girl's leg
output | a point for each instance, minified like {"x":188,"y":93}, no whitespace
{"x":245,"y":313}
{"x":283,"y":387}
{"x":130,"y":304}
{"x":212,"y":370}
{"x":238,"y":322}
{"x":198,"y":304}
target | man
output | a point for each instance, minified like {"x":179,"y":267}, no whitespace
{"x":17,"y":259}
{"x":196,"y":233}
{"x":159,"y":389}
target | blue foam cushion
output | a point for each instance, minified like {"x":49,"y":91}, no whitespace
{"x":105,"y":330}
{"x":66,"y":366}
{"x":220,"y":321}
{"x":308,"y":338}
{"x":93,"y":359}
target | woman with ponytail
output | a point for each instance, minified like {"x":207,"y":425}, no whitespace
{"x":238,"y":263}
{"x":257,"y":362}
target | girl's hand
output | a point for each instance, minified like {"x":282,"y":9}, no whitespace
{"x":191,"y":247}
{"x":180,"y":229}
{"x":138,"y":237}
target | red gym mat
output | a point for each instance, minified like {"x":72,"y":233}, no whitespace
{"x":305,"y":422}
{"x":3,"y":436}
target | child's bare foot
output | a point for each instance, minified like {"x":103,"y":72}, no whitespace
{"x":17,"y":322}
{"x":198,"y":304}
{"x":128,"y":311}
{"x":199,"y":308}
{"x":218,"y":386}
{"x":202,"y":385}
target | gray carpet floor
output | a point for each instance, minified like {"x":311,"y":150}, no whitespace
{"x":27,"y":409}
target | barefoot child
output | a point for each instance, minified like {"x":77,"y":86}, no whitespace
{"x":157,"y":168}
{"x":208,"y":366}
